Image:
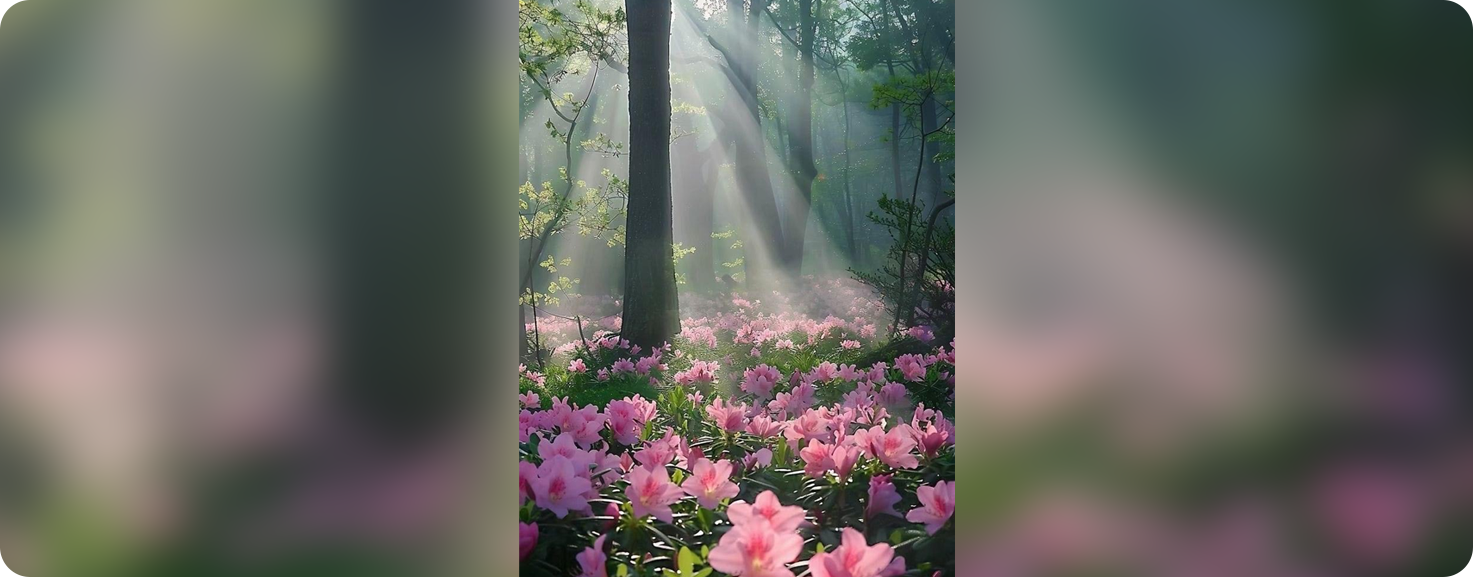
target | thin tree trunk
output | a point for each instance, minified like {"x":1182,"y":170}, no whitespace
{"x":651,"y":315}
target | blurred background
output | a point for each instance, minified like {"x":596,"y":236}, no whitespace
{"x":1215,"y":319}
{"x":1213,"y":312}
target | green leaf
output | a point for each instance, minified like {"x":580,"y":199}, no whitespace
{"x":687,"y":561}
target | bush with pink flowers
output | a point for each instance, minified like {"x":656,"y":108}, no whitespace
{"x":760,"y":445}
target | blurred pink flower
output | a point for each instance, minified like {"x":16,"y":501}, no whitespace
{"x":593,"y":560}
{"x":526,"y":539}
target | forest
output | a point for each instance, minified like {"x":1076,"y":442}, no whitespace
{"x":737,"y":287}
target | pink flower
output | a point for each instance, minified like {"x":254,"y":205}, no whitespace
{"x":910,"y":367}
{"x":931,"y":439}
{"x":894,"y":448}
{"x":922,"y":334}
{"x":766,"y":509}
{"x":892,"y":394}
{"x":849,"y":372}
{"x":710,"y":483}
{"x":603,"y":374}
{"x":558,"y":489}
{"x":526,"y":539}
{"x":625,"y":430}
{"x":844,"y":458}
{"x":756,"y":551}
{"x":623,"y":366}
{"x":825,"y":371}
{"x":727,"y":416}
{"x":577,"y":366}
{"x":526,"y":474}
{"x":817,"y":458}
{"x":850,"y":344}
{"x":856,"y":558}
{"x":762,"y":458}
{"x":530,"y":399}
{"x":763,"y":542}
{"x":809,"y":425}
{"x":656,"y":454}
{"x":763,"y":426}
{"x":882,"y":497}
{"x":876,"y":373}
{"x":565,"y":447}
{"x":937,"y":505}
{"x":759,"y":380}
{"x":593,"y":561}
{"x":650,"y":492}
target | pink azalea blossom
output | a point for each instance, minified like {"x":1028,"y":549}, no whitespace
{"x":876,"y":373}
{"x":825,"y":371}
{"x":650,"y":492}
{"x":710,"y":482}
{"x":727,"y":416}
{"x":756,"y":551}
{"x":937,"y":505}
{"x":849,"y":372}
{"x":623,"y":366}
{"x":910,"y":367}
{"x":817,"y":459}
{"x":762,"y":458}
{"x":763,"y":541}
{"x":844,"y":458}
{"x":766,"y":509}
{"x":577,"y":366}
{"x":603,"y":374}
{"x":922,"y":334}
{"x":564,"y":446}
{"x":895,"y":448}
{"x":530,"y":399}
{"x":526,"y":475}
{"x":893,"y":394}
{"x":759,"y":380}
{"x":854,"y":557}
{"x":558,"y":488}
{"x":593,"y":560}
{"x":850,"y":344}
{"x":763,"y":426}
{"x":882,"y":497}
{"x":526,"y":539}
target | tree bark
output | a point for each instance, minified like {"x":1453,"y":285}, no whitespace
{"x":651,"y":307}
{"x":407,"y":219}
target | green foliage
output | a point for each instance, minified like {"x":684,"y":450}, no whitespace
{"x":906,"y":224}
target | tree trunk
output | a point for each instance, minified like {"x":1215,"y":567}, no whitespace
{"x":801,"y":138}
{"x":651,"y":306}
{"x":407,"y":219}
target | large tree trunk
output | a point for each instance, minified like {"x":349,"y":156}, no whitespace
{"x":407,"y":219}
{"x":651,"y":307}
